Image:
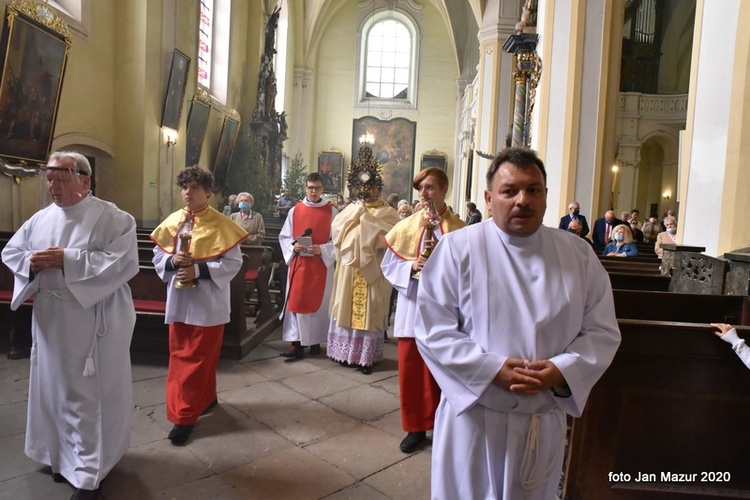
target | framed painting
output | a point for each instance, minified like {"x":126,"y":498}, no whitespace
{"x":35,"y":46}
{"x":200,"y":110}
{"x":393,"y":146}
{"x":434,"y":158}
{"x":331,"y":168}
{"x":170,"y":117}
{"x":228,"y":137}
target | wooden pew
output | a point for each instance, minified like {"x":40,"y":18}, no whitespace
{"x":685,"y":307}
{"x":626,"y":266}
{"x":16,"y":325}
{"x":638,"y":281}
{"x":149,"y":296}
{"x":675,"y":400}
{"x":258,"y":280}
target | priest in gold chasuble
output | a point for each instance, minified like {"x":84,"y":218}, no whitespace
{"x":359,"y":304}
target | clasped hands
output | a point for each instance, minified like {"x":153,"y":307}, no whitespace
{"x":51,"y":258}
{"x":313,"y":249}
{"x":184,"y":262}
{"x":521,"y":376}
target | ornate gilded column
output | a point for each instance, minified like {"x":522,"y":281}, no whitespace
{"x":526,"y":75}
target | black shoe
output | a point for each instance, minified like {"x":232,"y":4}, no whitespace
{"x":287,"y":354}
{"x":345,"y":364}
{"x":366,"y":370}
{"x":412,"y":441}
{"x":180,"y":434}
{"x":80,"y":494}
{"x":58,"y":478}
{"x":315,"y":350}
{"x":211,"y":406}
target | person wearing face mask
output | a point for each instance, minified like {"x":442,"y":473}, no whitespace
{"x":622,"y":244}
{"x":668,"y":236}
{"x":603,"y":229}
{"x":574,"y":213}
{"x":250,"y":221}
{"x":651,"y":228}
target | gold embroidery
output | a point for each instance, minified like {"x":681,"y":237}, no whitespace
{"x":359,"y":301}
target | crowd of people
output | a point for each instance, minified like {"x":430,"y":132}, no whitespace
{"x":619,"y":237}
{"x":497,"y":332}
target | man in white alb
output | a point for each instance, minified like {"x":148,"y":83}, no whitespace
{"x":75,"y":257}
{"x":516,"y":323}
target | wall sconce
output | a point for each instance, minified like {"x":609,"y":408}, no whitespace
{"x":615,"y":168}
{"x":367,"y":139}
{"x":170,"y":137}
{"x":666,"y":195}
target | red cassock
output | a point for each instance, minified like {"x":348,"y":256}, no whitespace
{"x":303,"y":298}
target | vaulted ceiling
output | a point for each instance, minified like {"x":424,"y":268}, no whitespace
{"x":461,"y":17}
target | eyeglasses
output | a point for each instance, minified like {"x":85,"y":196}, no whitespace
{"x":314,"y":188}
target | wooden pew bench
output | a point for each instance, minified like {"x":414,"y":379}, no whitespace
{"x":150,"y":297}
{"x":638,"y":281}
{"x":623,"y":265}
{"x":258,"y":278}
{"x":684,"y":307}
{"x":675,"y":400}
{"x":16,"y":325}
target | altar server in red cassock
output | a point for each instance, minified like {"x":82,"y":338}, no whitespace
{"x":196,"y":316}
{"x":310,"y":276}
{"x":420,"y":393}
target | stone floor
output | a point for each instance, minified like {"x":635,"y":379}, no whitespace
{"x":310,"y":429}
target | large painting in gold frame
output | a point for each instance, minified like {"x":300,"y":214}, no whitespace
{"x":35,"y":46}
{"x":200,"y":111}
{"x":229,"y":131}
{"x":394,"y":149}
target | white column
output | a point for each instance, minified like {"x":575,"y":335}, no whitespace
{"x":297,"y":119}
{"x":573,"y":122}
{"x":711,"y":105}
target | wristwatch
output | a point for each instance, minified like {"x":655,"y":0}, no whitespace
{"x":562,"y":390}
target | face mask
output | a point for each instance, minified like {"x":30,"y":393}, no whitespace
{"x":619,"y":236}
{"x":652,"y":219}
{"x":245,"y":206}
{"x":671,"y":230}
{"x":572,"y":231}
{"x":576,"y":212}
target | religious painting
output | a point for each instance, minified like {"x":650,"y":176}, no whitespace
{"x":393,"y":146}
{"x":434,"y":158}
{"x":200,"y":110}
{"x":228,"y":137}
{"x":331,"y":168}
{"x":170,"y":117}
{"x":35,"y":46}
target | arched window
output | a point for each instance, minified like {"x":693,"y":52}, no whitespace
{"x":213,"y":47}
{"x":389,"y":47}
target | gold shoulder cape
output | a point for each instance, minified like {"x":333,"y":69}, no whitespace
{"x":213,"y":233}
{"x":405,"y":238}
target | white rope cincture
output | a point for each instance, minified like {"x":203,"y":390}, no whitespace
{"x":531,"y":452}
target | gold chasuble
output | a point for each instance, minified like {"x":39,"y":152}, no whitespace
{"x":405,"y":240}
{"x":360,"y":295}
{"x":213,"y":233}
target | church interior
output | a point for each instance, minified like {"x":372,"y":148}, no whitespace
{"x":631,"y":104}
